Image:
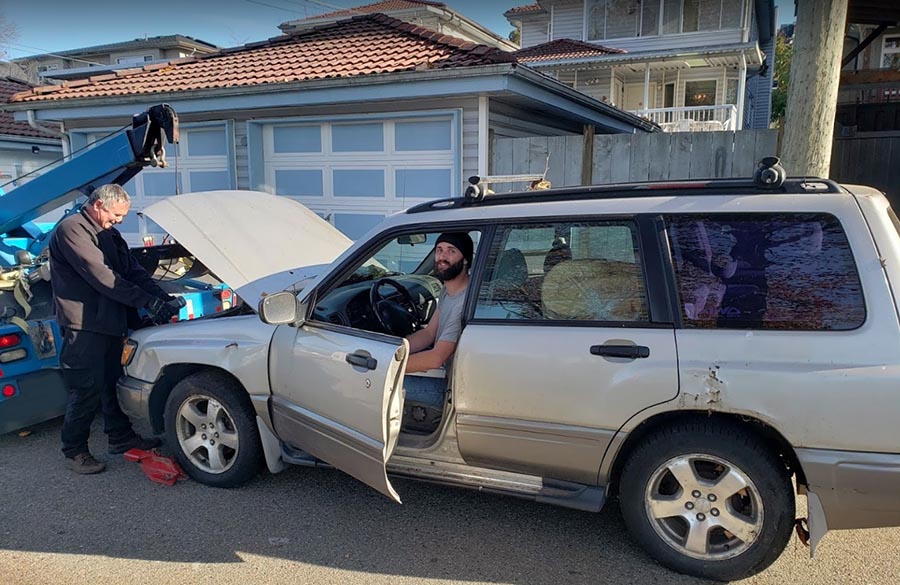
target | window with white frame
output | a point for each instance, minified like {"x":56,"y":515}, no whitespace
{"x":202,"y":165}
{"x":617,"y":19}
{"x":890,"y":53}
{"x":355,"y":172}
{"x":134,"y":59}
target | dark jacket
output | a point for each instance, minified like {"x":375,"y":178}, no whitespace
{"x":96,"y":281}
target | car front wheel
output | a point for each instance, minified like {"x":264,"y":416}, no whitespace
{"x":210,"y":424}
{"x":708,"y":500}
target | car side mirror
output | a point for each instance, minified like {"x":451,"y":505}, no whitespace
{"x":281,"y":309}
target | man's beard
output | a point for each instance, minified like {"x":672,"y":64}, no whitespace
{"x":451,"y":271}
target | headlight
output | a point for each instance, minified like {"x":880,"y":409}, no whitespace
{"x":129,"y":348}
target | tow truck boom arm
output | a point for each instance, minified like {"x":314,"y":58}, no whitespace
{"x":115,"y":160}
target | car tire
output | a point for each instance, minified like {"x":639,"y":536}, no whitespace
{"x":685,"y":486}
{"x":211,"y":426}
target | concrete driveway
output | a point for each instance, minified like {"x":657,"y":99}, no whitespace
{"x":321,"y":526}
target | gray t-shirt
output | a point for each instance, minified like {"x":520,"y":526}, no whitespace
{"x":451,"y":309}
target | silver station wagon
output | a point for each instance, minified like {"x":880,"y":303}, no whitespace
{"x":698,"y":350}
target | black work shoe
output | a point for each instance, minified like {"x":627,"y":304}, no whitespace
{"x":135,"y":442}
{"x":85,"y":464}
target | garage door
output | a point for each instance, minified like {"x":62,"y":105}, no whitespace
{"x":202,"y":165}
{"x":354,"y":173}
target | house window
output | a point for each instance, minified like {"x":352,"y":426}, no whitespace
{"x":700,"y":93}
{"x":134,"y":60}
{"x":622,"y":19}
{"x":43,"y":68}
{"x":683,"y":16}
{"x":890,"y":53}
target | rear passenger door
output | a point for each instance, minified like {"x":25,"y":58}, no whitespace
{"x":564,"y":345}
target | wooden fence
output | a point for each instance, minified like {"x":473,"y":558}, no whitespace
{"x":615,"y":158}
{"x":869,"y":159}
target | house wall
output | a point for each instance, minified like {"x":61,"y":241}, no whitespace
{"x":245,"y":160}
{"x":567,"y":21}
{"x":535,"y":32}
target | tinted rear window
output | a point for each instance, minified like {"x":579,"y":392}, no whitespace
{"x":765,"y":271}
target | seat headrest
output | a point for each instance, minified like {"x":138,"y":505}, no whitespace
{"x":511,"y":269}
{"x":594,"y":290}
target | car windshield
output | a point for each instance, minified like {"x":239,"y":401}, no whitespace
{"x":403,"y":255}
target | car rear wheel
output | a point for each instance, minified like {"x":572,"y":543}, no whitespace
{"x":211,"y":426}
{"x":708,"y":500}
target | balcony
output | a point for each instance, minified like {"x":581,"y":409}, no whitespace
{"x":693,"y":118}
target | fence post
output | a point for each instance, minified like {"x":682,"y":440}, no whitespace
{"x":587,"y":155}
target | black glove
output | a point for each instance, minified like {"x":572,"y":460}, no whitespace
{"x":161,"y":311}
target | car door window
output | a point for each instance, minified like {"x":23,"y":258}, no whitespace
{"x":790,"y":271}
{"x":406,"y":259}
{"x":564,"y":271}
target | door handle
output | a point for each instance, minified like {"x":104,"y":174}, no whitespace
{"x":363,"y":361}
{"x":621,"y":351}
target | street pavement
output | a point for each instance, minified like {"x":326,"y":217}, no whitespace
{"x":321,"y":526}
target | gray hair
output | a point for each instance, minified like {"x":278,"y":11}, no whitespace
{"x":110,"y":193}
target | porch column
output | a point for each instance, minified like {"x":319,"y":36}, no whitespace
{"x":741,"y":93}
{"x":812,"y":95}
{"x":483,"y":138}
{"x":646,"y":87}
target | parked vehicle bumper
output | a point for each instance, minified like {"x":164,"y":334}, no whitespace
{"x":855,"y":489}
{"x":134,"y":397}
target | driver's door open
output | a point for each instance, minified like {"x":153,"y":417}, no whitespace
{"x":337,"y":393}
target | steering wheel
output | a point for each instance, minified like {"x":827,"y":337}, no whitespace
{"x":397,"y":317}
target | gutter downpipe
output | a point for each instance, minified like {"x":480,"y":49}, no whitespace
{"x":63,"y":137}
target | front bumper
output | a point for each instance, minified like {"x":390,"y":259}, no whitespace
{"x":134,"y":398}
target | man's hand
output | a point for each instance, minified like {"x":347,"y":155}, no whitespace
{"x":161,"y":311}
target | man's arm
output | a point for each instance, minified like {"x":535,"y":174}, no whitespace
{"x":87,"y":259}
{"x":432,"y":358}
{"x":424,"y":337}
{"x":136,"y":273}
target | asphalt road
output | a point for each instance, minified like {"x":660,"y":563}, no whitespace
{"x":321,"y":526}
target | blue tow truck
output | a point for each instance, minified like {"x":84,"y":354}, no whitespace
{"x":31,"y":387}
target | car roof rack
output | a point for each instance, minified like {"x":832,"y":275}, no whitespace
{"x":769,"y":180}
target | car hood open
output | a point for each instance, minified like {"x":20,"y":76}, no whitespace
{"x":255,"y":242}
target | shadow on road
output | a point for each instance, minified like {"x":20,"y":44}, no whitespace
{"x":320,"y":517}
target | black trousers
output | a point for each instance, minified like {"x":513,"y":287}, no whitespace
{"x":91,"y":364}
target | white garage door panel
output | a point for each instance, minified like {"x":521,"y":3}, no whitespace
{"x":354,"y":173}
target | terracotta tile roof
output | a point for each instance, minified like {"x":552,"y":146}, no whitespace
{"x":8,"y":126}
{"x":363,"y":45}
{"x":524,"y":9}
{"x":563,"y":49}
{"x":386,"y":6}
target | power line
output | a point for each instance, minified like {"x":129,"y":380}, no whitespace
{"x":273,"y":6}
{"x":48,"y":54}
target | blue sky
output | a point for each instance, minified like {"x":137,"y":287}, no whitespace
{"x":56,"y":25}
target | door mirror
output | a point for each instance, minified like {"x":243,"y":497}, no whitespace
{"x":412,"y":239}
{"x":281,"y":309}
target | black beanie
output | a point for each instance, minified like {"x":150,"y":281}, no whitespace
{"x":459,"y":240}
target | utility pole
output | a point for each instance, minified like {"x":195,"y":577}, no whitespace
{"x":812,"y":96}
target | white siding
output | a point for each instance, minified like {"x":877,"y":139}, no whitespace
{"x":680,"y":41}
{"x":534,"y":32}
{"x":241,"y":163}
{"x":595,"y":84}
{"x":470,"y":140}
{"x":568,"y":21}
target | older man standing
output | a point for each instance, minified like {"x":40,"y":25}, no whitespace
{"x":96,"y":284}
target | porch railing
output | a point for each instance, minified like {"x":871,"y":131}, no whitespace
{"x":692,"y":118}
